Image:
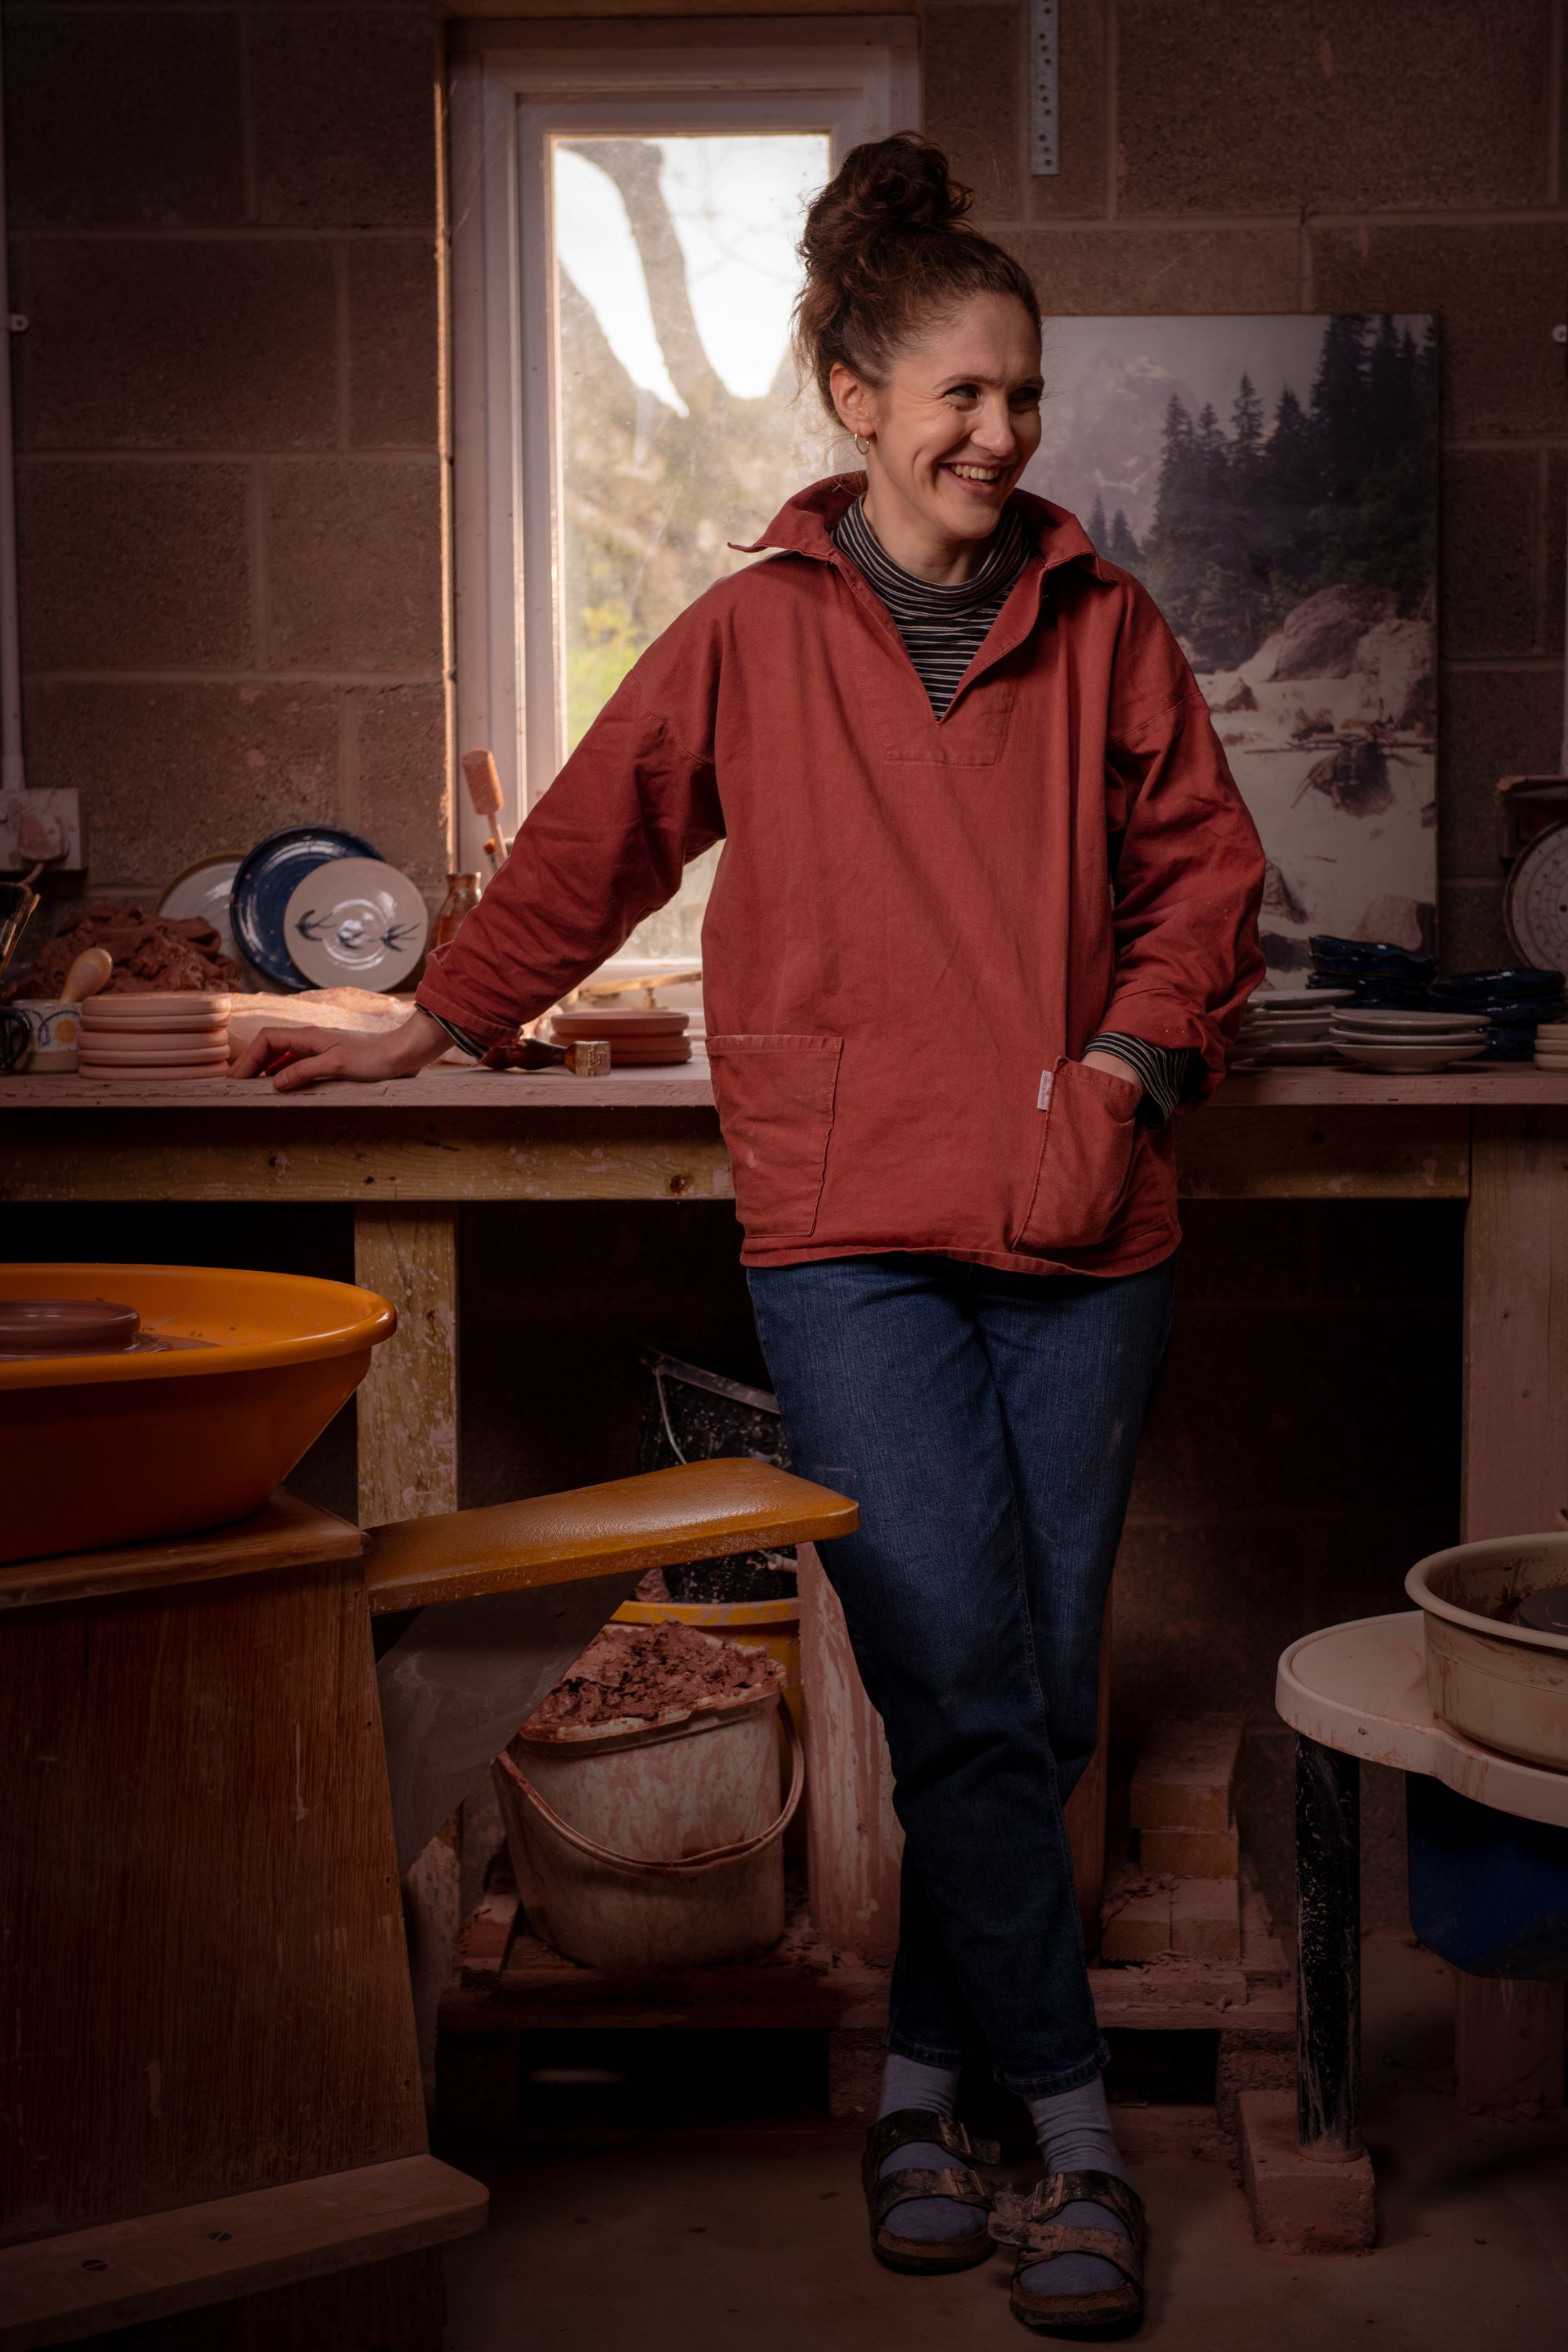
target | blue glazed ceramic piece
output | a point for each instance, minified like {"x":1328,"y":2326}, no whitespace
{"x":268,"y":879}
{"x":1368,"y":955}
{"x":1477,"y":987}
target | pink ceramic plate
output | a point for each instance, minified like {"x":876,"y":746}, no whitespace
{"x":209,"y":1002}
{"x":164,"y":1052}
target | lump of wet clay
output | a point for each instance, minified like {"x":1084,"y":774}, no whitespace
{"x":647,"y":1672}
{"x":149,"y":952}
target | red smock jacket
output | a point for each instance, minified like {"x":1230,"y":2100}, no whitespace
{"x":917,"y":923}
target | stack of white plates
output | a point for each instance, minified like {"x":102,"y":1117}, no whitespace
{"x":1407,"y":1042}
{"x":1552,"y":1046}
{"x":1290,"y":1024}
{"x":163,"y":1033}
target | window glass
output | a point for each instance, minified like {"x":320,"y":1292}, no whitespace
{"x":678,"y":424}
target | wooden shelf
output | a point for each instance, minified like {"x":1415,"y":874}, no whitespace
{"x":511,"y":1982}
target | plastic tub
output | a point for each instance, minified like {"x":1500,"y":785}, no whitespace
{"x":114,"y":1449}
{"x":1498,"y":1683}
{"x":1488,"y":1892}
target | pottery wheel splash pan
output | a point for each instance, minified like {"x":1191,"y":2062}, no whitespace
{"x":116,"y":1448}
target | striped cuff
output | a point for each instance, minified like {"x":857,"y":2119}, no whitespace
{"x":457,"y":1036}
{"x":1164,"y":1072}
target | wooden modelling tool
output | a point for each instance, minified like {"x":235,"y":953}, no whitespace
{"x":89,"y":972}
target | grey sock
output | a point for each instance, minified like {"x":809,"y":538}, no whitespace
{"x":906,"y":2082}
{"x":1075,"y":2135}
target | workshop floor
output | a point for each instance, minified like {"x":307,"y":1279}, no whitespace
{"x":709,"y":2242}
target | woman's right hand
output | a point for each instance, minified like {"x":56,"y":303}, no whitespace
{"x":321,"y":1055}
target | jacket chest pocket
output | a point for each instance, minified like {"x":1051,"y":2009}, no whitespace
{"x":775,"y":1095}
{"x":1089,"y":1134}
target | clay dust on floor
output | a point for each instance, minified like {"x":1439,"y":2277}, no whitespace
{"x":678,"y":2246}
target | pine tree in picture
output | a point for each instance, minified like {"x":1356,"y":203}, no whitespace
{"x":1273,"y":481}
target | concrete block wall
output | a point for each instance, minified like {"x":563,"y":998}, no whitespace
{"x":224,"y":238}
{"x":1319,"y":155}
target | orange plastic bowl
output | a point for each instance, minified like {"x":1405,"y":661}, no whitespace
{"x":102,"y":1450}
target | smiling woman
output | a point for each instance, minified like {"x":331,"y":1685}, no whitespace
{"x":985,"y":905}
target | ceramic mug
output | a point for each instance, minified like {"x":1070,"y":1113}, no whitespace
{"x":56,"y":1027}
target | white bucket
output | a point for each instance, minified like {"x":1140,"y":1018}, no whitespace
{"x":658,"y":1847}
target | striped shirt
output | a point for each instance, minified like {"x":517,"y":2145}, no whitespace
{"x":943,"y":628}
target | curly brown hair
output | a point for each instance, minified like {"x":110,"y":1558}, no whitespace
{"x":888,"y":250}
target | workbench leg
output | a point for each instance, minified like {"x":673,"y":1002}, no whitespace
{"x":1328,"y":1965}
{"x":1309,"y":2180}
{"x":409,"y":1470}
{"x":408,"y":1399}
{"x":1516,"y":1407}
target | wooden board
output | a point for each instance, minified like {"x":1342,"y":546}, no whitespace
{"x":285,"y":1533}
{"x":1335,"y":1152}
{"x":277,"y":1153}
{"x":538,"y":1991}
{"x":1510,"y":2037}
{"x":203,"y":1977}
{"x":1516,"y":1318}
{"x":127,"y":2274}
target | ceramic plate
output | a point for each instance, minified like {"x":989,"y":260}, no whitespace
{"x":1440,"y":1024}
{"x":1394,"y":1059}
{"x":1311,"y":1049}
{"x":1396,"y":1036}
{"x":266,"y":880}
{"x":356,"y":921}
{"x":1296,"y":1000}
{"x":205,"y":889}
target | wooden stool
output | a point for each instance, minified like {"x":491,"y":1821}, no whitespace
{"x":210,"y":2086}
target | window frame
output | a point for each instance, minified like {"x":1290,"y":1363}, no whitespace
{"x":511,"y":87}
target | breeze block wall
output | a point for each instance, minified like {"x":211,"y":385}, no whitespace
{"x":224,"y":242}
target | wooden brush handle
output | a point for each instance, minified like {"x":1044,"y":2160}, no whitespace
{"x":484,"y":784}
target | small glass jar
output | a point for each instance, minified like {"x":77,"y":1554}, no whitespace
{"x":462,"y":896}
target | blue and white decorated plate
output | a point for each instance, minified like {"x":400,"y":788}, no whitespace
{"x":266,"y":880}
{"x":356,"y":923}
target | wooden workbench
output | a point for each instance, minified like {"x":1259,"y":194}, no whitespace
{"x":407,"y":1154}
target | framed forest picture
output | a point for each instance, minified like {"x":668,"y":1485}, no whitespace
{"x":1273,"y":482}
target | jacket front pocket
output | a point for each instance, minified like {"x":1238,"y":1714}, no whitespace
{"x":1090,"y":1133}
{"x":776,"y":1105}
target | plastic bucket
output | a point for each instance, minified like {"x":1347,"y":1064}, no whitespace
{"x":654,"y":1846}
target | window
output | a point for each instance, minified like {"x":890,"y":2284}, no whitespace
{"x":624,"y":215}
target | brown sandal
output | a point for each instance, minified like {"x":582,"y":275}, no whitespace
{"x":1022,"y":2217}
{"x":961,"y":2183}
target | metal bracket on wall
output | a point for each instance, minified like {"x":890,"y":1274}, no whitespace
{"x":1045,"y":54}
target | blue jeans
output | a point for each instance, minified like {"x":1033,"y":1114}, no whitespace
{"x":986,"y":1424}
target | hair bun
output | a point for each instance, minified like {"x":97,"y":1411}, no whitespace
{"x":885,"y":186}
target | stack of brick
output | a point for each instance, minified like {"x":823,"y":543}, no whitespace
{"x":1182,"y":1899}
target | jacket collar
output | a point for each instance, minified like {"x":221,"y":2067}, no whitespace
{"x":805,"y":525}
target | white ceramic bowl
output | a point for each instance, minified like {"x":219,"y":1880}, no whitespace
{"x":1503,"y":1685}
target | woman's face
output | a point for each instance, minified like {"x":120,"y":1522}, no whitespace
{"x":953,"y":425}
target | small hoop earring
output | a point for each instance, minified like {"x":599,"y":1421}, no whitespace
{"x":861,"y":446}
